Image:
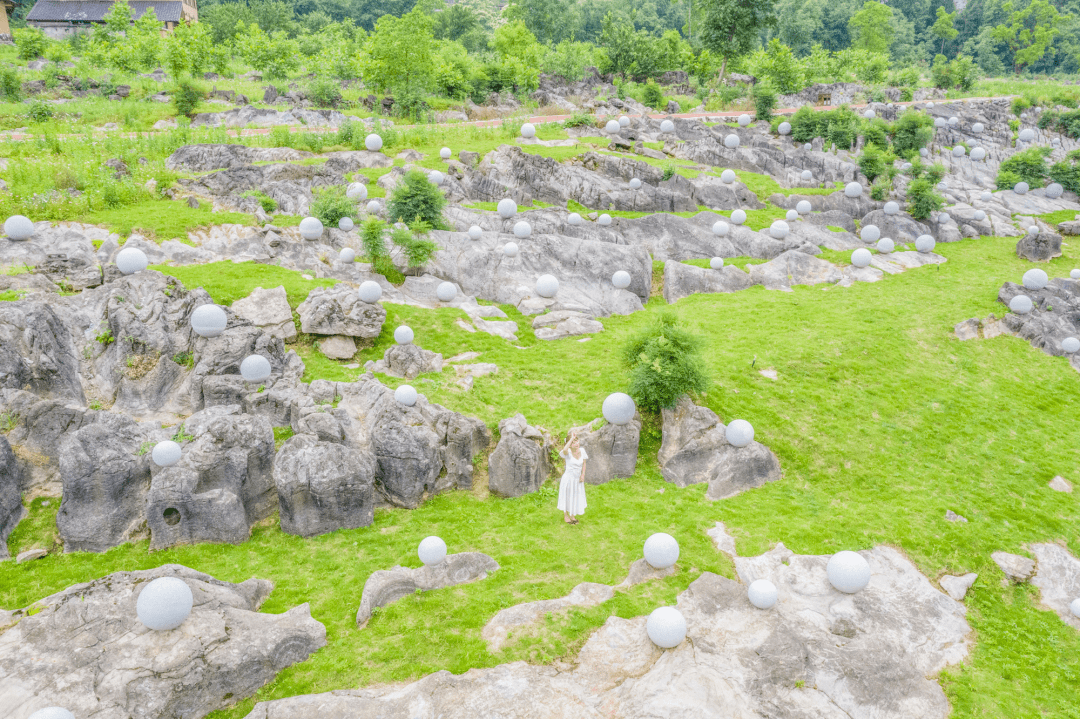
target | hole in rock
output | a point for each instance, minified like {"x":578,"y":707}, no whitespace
{"x":172,"y":516}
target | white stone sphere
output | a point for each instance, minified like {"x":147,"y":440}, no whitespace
{"x":621,"y":279}
{"x":406,"y":394}
{"x":906,"y":166}
{"x":1074,"y":607}
{"x":436,"y":178}
{"x":18,"y":228}
{"x":1054,"y":190}
{"x":370,"y":291}
{"x":661,"y":551}
{"x":624,"y":121}
{"x":666,"y":627}
{"x":929,"y":105}
{"x":131,"y":260}
{"x":942,"y":186}
{"x":959,"y":151}
{"x":939,"y":122}
{"x":925,"y":243}
{"x":977,"y":128}
{"x":779,"y":229}
{"x":784,"y":128}
{"x":1070,"y":345}
{"x":1021,"y":188}
{"x":807,"y":176}
{"x":667,"y":126}
{"x":404,"y":335}
{"x":870,"y":233}
{"x":52,"y":713}
{"x":612,"y":127}
{"x":954,"y":121}
{"x":979,"y":215}
{"x":1021,"y":304}
{"x":892,"y":208}
{"x":853,"y":189}
{"x":373,"y":206}
{"x":804,"y":207}
{"x":808,"y":147}
{"x":739,"y":433}
{"x":762,"y":594}
{"x":885,"y":245}
{"x":978,"y":154}
{"x":986,"y":196}
{"x":635,"y":183}
{"x":720,"y":228}
{"x":1033,"y":230}
{"x":861,"y":257}
{"x":506,"y":208}
{"x":738,"y":217}
{"x":357,"y":192}
{"x":255,"y":368}
{"x":522,"y":229}
{"x":869,"y":114}
{"x":547,"y":286}
{"x":510,"y":249}
{"x":744,"y":120}
{"x":716,"y":263}
{"x":445,"y":153}
{"x":1075,"y":274}
{"x":475,"y":233}
{"x":848,"y":572}
{"x":446,"y":291}
{"x":345,"y":224}
{"x":605,"y":219}
{"x":432,"y":551}
{"x":208,"y":320}
{"x":166,"y":454}
{"x":728,"y":176}
{"x":923,"y":152}
{"x":311,"y":228}
{"x":1035,"y":279}
{"x":731,"y":141}
{"x":619,"y":408}
{"x":373,"y":142}
{"x":528,"y":131}
{"x":1027,"y":134}
{"x":164,"y":603}
{"x":791,"y":215}
{"x":574,"y":219}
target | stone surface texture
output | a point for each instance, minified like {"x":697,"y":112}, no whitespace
{"x":389,"y":585}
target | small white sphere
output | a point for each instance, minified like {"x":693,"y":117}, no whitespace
{"x":18,"y":228}
{"x":522,"y":229}
{"x":870,"y":233}
{"x":986,"y":196}
{"x":619,"y":408}
{"x":848,"y":572}
{"x":779,"y":229}
{"x":621,"y":279}
{"x":885,"y":245}
{"x":807,"y":176}
{"x":605,"y":219}
{"x":164,"y":604}
{"x":475,"y":233}
{"x":446,"y":291}
{"x":978,"y":154}
{"x":1035,"y":279}
{"x":345,"y":224}
{"x":1075,"y":274}
{"x":929,"y":105}
{"x":624,"y":121}
{"x":1074,"y":607}
{"x":939,"y":122}
{"x":738,"y":217}
{"x":528,"y":131}
{"x":906,"y":166}
{"x":1070,"y":345}
{"x":804,"y":207}
{"x":791,"y":215}
{"x":574,"y":219}
{"x":716,"y":263}
{"x":954,"y":121}
{"x":808,"y":147}
{"x":744,"y":120}
{"x":311,"y":228}
{"x":728,"y":176}
{"x":853,"y":189}
{"x":739,"y":433}
{"x":547,"y":286}
{"x":635,"y":183}
{"x":979,"y":215}
{"x":445,"y":153}
{"x":131,"y":260}
{"x":510,"y":249}
{"x":404,"y":335}
{"x":357,"y":192}
{"x":373,"y":142}
{"x":166,"y":454}
{"x":373,"y":207}
{"x":612,"y":127}
{"x":431,"y":551}
{"x":731,"y":141}
{"x":208,"y":320}
{"x":255,"y":368}
{"x":959,"y":151}
{"x":1054,"y":190}
{"x":720,"y":228}
{"x":869,"y":114}
{"x":762,"y":594}
{"x":923,"y":152}
{"x":1021,"y":304}
{"x":1027,"y":134}
{"x":925,"y":243}
{"x":436,"y":178}
{"x":406,"y":394}
{"x":661,"y":551}
{"x":52,"y":713}
{"x":370,"y":291}
{"x":666,"y":627}
{"x":667,"y":126}
{"x":977,"y":128}
{"x":506,"y":208}
{"x":1021,"y":188}
{"x":861,"y":257}
{"x":1033,"y":230}
{"x":784,"y":128}
{"x":892,"y":208}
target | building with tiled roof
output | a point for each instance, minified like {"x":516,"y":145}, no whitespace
{"x":60,"y":18}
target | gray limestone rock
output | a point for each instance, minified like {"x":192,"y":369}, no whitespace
{"x":37,"y":352}
{"x":30,"y":555}
{"x":204,"y":158}
{"x":63,"y":254}
{"x":11,"y":507}
{"x":1060,"y":484}
{"x":561,"y":324}
{"x":522,"y":616}
{"x":268,"y":310}
{"x":612,"y":449}
{"x":40,"y":425}
{"x":1016,"y":568}
{"x":323,"y":486}
{"x":794,"y":268}
{"x":901,"y":228}
{"x":957,"y":587}
{"x":389,"y":585}
{"x":1058,"y":579}
{"x":407,"y":361}
{"x":338,"y":310}
{"x":251,"y":116}
{"x":339,"y":347}
{"x":521,"y":460}
{"x":682,"y":280}
{"x":1055,"y":315}
{"x":1042,"y":247}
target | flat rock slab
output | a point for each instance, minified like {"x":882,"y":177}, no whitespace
{"x":1058,"y":578}
{"x":564,"y":323}
{"x":957,"y":587}
{"x":1060,"y":484}
{"x":1016,"y":568}
{"x":389,"y":585}
{"x":896,"y":262}
{"x":87,"y":651}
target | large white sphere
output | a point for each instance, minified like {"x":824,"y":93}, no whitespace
{"x":373,"y":207}
{"x":954,"y":121}
{"x":744,"y":120}
{"x":731,"y":141}
{"x":791,"y":215}
{"x":612,"y":127}
{"x":574,"y":219}
{"x":131,"y":260}
{"x":807,"y":176}
{"x":666,"y":627}
{"x":475,"y":233}
{"x":619,"y":408}
{"x":986,"y":196}
{"x":255,"y":368}
{"x":667,"y":126}
{"x":738,"y":217}
{"x":1054,"y":190}
{"x":373,"y":142}
{"x":978,"y":154}
{"x":357,"y":192}
{"x":739,"y":433}
{"x":406,"y":395}
{"x":977,"y":128}
{"x":635,"y":183}
{"x":604,"y":219}
{"x":404,"y":335}
{"x":1021,"y":188}
{"x":547,"y":286}
{"x":853,"y":189}
{"x":869,"y":114}
{"x":52,"y":713}
{"x":848,"y":572}
{"x":784,"y":128}
{"x":720,"y":228}
{"x":728,"y":176}
{"x":370,"y":291}
{"x":925,"y":243}
{"x":436,"y":178}
{"x":979,"y":215}
{"x":661,"y":551}
{"x":624,"y":121}
{"x":431,"y":551}
{"x":959,"y":151}
{"x":1035,"y":279}
{"x":347,"y":255}
{"x":311,"y":228}
{"x":18,"y":228}
{"x":528,"y":131}
{"x":861,"y":257}
{"x":892,"y":208}
{"x":445,"y":153}
{"x":885,"y":245}
{"x":166,"y":454}
{"x":1075,"y":274}
{"x":208,"y":320}
{"x":870,"y":233}
{"x":621,"y":279}
{"x":446,"y":291}
{"x":522,"y":229}
{"x":939,"y":122}
{"x":779,"y":229}
{"x":510,"y":249}
{"x":804,"y":207}
{"x":1074,"y":607}
{"x":1027,"y":134}
{"x":1021,"y":304}
{"x":1033,"y":230}
{"x":716,"y":263}
{"x":1070,"y":345}
{"x":808,"y":147}
{"x":164,"y":603}
{"x":929,"y":105}
{"x":762,"y":594}
{"x":506,"y":208}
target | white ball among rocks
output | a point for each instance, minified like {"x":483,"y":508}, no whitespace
{"x":806,"y":176}
{"x":475,"y":232}
{"x":255,"y":368}
{"x":803,"y":207}
{"x":979,"y":216}
{"x":870,"y":233}
{"x":1027,"y":135}
{"x":166,"y":454}
{"x":784,"y":128}
{"x":635,"y":183}
{"x":18,"y":228}
{"x":977,"y":128}
{"x":848,"y":572}
{"x":779,"y":229}
{"x":436,"y":178}
{"x":986,"y":196}
{"x":370,"y":291}
{"x":661,"y":551}
{"x":522,"y":229}
{"x":885,"y":245}
{"x":621,"y":280}
{"x":1054,"y":190}
{"x":925,"y":243}
{"x":373,"y":207}
{"x":861,"y":257}
{"x":666,"y":627}
{"x":791,"y":215}
{"x":404,"y":335}
{"x":738,"y":217}
{"x":1075,"y":274}
{"x":432,"y":551}
{"x":528,"y":131}
{"x":612,"y":127}
{"x":574,"y":219}
{"x":208,"y":320}
{"x":728,"y":177}
{"x":1074,"y":607}
{"x":510,"y":249}
{"x":311,"y":228}
{"x":1021,"y":188}
{"x":604,"y":219}
{"x":1035,"y":279}
{"x":1021,"y":304}
{"x":744,"y":120}
{"x":731,"y":141}
{"x":892,"y":208}
{"x":667,"y":126}
{"x":357,"y":192}
{"x":445,"y":153}
{"x":373,"y":142}
{"x":52,"y":713}
{"x":446,"y":291}
{"x":959,"y":151}
{"x":807,"y":146}
{"x":978,"y":154}
{"x":762,"y":594}
{"x":164,"y":604}
{"x":720,"y":228}
{"x":131,"y":260}
{"x":624,"y":121}
{"x":345,"y":224}
{"x":619,"y":408}
{"x":1070,"y":345}
{"x":716,"y":263}
{"x":739,"y":433}
{"x":506,"y":208}
{"x":406,"y":394}
{"x":547,"y":286}
{"x":853,"y":189}
{"x":869,"y":114}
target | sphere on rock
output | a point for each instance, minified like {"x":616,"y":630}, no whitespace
{"x":716,"y":263}
{"x":979,"y":215}
{"x":739,"y":433}
{"x":978,"y":154}
{"x":1021,"y":304}
{"x":667,"y":126}
{"x":345,"y":224}
{"x":574,"y":219}
{"x":808,"y":147}
{"x":406,"y":394}
{"x":604,"y":219}
{"x":510,"y":249}
{"x":522,"y":229}
{"x":1035,"y":279}
{"x":131,"y":260}
{"x":357,"y":192}
{"x":635,"y":183}
{"x":954,"y":121}
{"x":666,"y":627}
{"x":869,"y":114}
{"x":18,"y":228}
{"x":861,"y":257}
{"x":612,"y":127}
{"x":661,"y":551}
{"x":853,"y":189}
{"x":944,"y":218}
{"x":475,"y":233}
{"x":720,"y":228}
{"x":929,"y":105}
{"x":923,"y":152}
{"x":791,"y":215}
{"x":1027,"y":135}
{"x":885,"y":245}
{"x":784,"y":128}
{"x":208,"y":320}
{"x":1033,"y":230}
{"x":925,"y":243}
{"x":779,"y":229}
{"x":446,"y":291}
{"x":1070,"y":345}
{"x":977,"y":128}
{"x":744,"y":120}
{"x":848,"y":572}
{"x":892,"y":208}
{"x":624,"y":121}
{"x":432,"y":551}
{"x":52,"y":713}
{"x":370,"y":291}
{"x":547,"y":286}
{"x":959,"y":151}
{"x":619,"y":408}
{"x":373,"y":206}
{"x":728,"y":176}
{"x":731,"y":141}
{"x":255,"y":368}
{"x":528,"y":131}
{"x":404,"y":335}
{"x":807,"y":176}
{"x":906,"y":166}
{"x":1054,"y":190}
{"x":436,"y":178}
{"x":986,"y":196}
{"x":164,"y":603}
{"x":347,"y":255}
{"x":738,"y":217}
{"x":804,"y":207}
{"x":445,"y":153}
{"x":506,"y":208}
{"x":1074,"y":607}
{"x":621,"y":280}
{"x":1075,"y":274}
{"x":166,"y":454}
{"x":939,"y":122}
{"x":762,"y":594}
{"x":373,"y":142}
{"x":311,"y":228}
{"x":870,"y":233}
{"x":1021,"y":188}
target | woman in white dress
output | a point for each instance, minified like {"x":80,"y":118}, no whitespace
{"x":572,"y":484}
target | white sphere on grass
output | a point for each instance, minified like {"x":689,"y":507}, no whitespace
{"x":804,"y":207}
{"x":432,"y":551}
{"x":510,"y":249}
{"x":977,"y":128}
{"x":436,"y":178}
{"x":475,"y":233}
{"x":311,"y":228}
{"x":1075,"y":274}
{"x":574,"y":219}
{"x":522,"y":229}
{"x":208,"y":320}
{"x":667,"y":126}
{"x":406,"y":394}
{"x":621,"y":280}
{"x":779,"y":229}
{"x":892,"y":208}
{"x":373,"y":142}
{"x":720,"y":228}
{"x":738,"y":217}
{"x":635,"y":183}
{"x":979,"y":215}
{"x":446,"y":291}
{"x":731,"y":141}
{"x":728,"y":176}
{"x":624,"y":121}
{"x":255,"y":368}
{"x":861,"y":257}
{"x":666,"y":627}
{"x":164,"y":603}
{"x":791,"y":215}
{"x":1021,"y":304}
{"x":1027,"y":134}
{"x":1035,"y":279}
{"x":528,"y":131}
{"x":885,"y":245}
{"x":619,"y":408}
{"x":166,"y":454}
{"x":612,"y":127}
{"x":853,"y":189}
{"x":870,"y":233}
{"x":1054,"y":190}
{"x":739,"y":433}
{"x":1070,"y":345}
{"x":373,"y":206}
{"x":404,"y":335}
{"x":762,"y":594}
{"x":978,"y":154}
{"x":1021,"y":188}
{"x":848,"y":572}
{"x":784,"y":128}
{"x":357,"y":192}
{"x":716,"y":263}
{"x":807,"y":176}
{"x":445,"y":153}
{"x":52,"y":713}
{"x":18,"y":228}
{"x":131,"y":260}
{"x":661,"y":551}
{"x":547,"y":286}
{"x":925,"y":243}
{"x":506,"y":208}
{"x":604,"y":219}
{"x":370,"y":291}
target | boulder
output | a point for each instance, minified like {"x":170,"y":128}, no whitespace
{"x":901,"y":228}
{"x":11,"y":507}
{"x":1055,"y":315}
{"x":64,"y":254}
{"x":1016,"y":568}
{"x":561,"y":324}
{"x":389,"y":585}
{"x":407,"y":361}
{"x":957,"y":587}
{"x":682,"y":280}
{"x":323,"y":486}
{"x":338,"y":310}
{"x":794,"y":268}
{"x":338,"y":347}
{"x":612,"y":449}
{"x":268,"y":310}
{"x":37,"y":352}
{"x":1042,"y":247}
{"x":1058,"y":579}
{"x":40,"y":425}
{"x":521,"y":460}
{"x":521,"y":616}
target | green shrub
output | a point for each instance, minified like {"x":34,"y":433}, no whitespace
{"x":579,"y":119}
{"x":1028,"y":165}
{"x":922,"y":200}
{"x":1067,"y":172}
{"x":1007,"y":180}
{"x":764,"y":101}
{"x":372,"y":233}
{"x":350,"y":133}
{"x":652,"y":96}
{"x":912,"y":132}
{"x":665,"y":363}
{"x":876,"y":132}
{"x":30,"y":42}
{"x":415,"y":197}
{"x":10,"y":85}
{"x":269,"y":204}
{"x":324,"y":91}
{"x":280,"y":137}
{"x":880,"y":190}
{"x":331,"y":205}
{"x":186,"y":96}
{"x":39,"y":111}
{"x":313,"y":141}
{"x":804,"y":125}
{"x":417,"y":249}
{"x":872,"y":162}
{"x":1067,"y":123}
{"x":1019,"y":104}
{"x":907,"y":94}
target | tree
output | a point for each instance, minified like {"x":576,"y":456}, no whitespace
{"x":1029,"y":32}
{"x":872,"y":27}
{"x":415,"y":198}
{"x":551,"y":21}
{"x":730,"y":28}
{"x":665,"y":363}
{"x":943,"y":27}
{"x":275,"y":55}
{"x":400,"y":56}
{"x":620,"y":42}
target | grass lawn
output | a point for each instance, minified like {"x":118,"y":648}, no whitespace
{"x":230,"y":281}
{"x":163,"y":219}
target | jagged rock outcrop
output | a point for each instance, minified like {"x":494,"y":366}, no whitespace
{"x":39,"y":427}
{"x":682,"y":280}
{"x":1058,"y":578}
{"x":11,"y":507}
{"x":1055,"y":315}
{"x":64,"y":254}
{"x":37,"y":352}
{"x":612,"y":449}
{"x":268,"y":310}
{"x":406,"y":361}
{"x":207,"y":157}
{"x":1042,"y":247}
{"x":338,"y":310}
{"x":521,"y":460}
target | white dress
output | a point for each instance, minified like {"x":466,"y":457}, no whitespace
{"x":571,"y":488}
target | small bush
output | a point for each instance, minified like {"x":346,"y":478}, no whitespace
{"x":39,"y":111}
{"x":10,"y":85}
{"x":580,"y":119}
{"x":872,"y":162}
{"x":186,"y":96}
{"x":280,"y":137}
{"x":313,"y":141}
{"x":1019,"y":104}
{"x":269,"y":204}
{"x":880,"y":190}
{"x":1067,"y":172}
{"x":912,"y":132}
{"x":922,"y":200}
{"x":665,"y":363}
{"x":30,"y":42}
{"x":1028,"y":165}
{"x":876,"y":132}
{"x":417,"y":250}
{"x":415,"y":197}
{"x":372,"y":236}
{"x":324,"y":91}
{"x":652,"y":96}
{"x":331,"y":205}
{"x":907,"y":94}
{"x":764,"y":101}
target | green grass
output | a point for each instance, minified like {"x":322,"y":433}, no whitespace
{"x":11,"y":295}
{"x":764,"y":186}
{"x":230,"y":281}
{"x":163,"y":219}
{"x":1053,"y":218}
